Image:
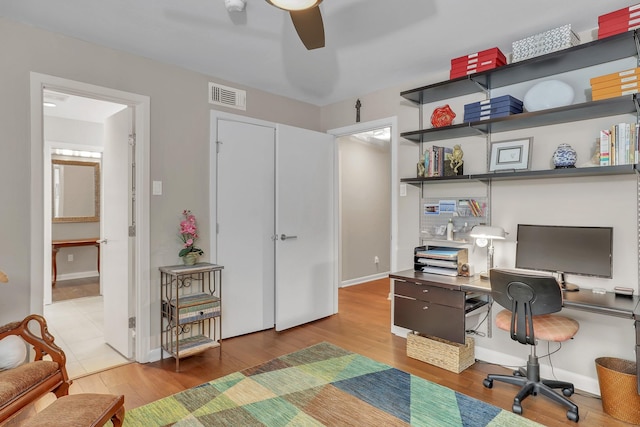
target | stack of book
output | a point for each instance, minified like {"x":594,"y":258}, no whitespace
{"x":615,"y":84}
{"x":440,"y":260}
{"x":476,"y":62}
{"x":619,"y":21}
{"x":619,"y":145}
{"x":491,"y":108}
{"x":437,"y":162}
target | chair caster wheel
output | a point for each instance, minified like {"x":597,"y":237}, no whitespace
{"x":517,"y":373}
{"x":573,"y":416}
{"x":488,"y":383}
{"x":567,"y":391}
{"x":517,"y":409}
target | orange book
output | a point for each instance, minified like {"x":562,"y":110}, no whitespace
{"x":617,"y":90}
{"x":615,"y":76}
{"x":634,"y":78}
{"x":604,"y":94}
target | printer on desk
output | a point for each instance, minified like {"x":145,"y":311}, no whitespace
{"x":441,"y":260}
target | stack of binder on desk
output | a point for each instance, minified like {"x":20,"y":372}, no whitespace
{"x":491,"y":108}
{"x":439,"y":260}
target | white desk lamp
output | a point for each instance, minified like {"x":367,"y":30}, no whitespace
{"x":484,"y":235}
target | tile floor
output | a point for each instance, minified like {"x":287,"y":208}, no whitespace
{"x":77,"y":325}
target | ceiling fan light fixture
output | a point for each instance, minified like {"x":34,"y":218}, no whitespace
{"x":235,"y":5}
{"x":295,"y":4}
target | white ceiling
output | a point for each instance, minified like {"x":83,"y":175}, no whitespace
{"x":370,"y":44}
{"x":78,"y":107}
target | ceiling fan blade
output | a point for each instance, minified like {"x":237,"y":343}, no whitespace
{"x":309,"y":26}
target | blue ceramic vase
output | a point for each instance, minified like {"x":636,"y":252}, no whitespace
{"x":564,"y":157}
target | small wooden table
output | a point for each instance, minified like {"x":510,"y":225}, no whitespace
{"x":69,"y":243}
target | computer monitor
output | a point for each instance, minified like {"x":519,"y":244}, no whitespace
{"x":585,"y":251}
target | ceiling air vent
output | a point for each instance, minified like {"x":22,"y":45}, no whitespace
{"x":227,"y":96}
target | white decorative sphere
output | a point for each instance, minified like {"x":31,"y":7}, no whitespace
{"x":548,"y":94}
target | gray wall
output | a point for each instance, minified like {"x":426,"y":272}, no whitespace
{"x":365,"y":207}
{"x":179,"y":125}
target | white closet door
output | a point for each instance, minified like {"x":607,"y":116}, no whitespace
{"x":306,"y":263}
{"x":116,"y":250}
{"x":246,"y":218}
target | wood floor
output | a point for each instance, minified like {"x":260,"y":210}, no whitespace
{"x":362,"y":326}
{"x":75,"y":288}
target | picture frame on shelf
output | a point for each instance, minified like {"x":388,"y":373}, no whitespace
{"x":513,"y":154}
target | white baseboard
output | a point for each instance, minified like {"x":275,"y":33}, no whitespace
{"x":78,"y":275}
{"x":365,"y":279}
{"x":154,"y":355}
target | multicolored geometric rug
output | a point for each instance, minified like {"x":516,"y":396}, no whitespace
{"x":322,"y":385}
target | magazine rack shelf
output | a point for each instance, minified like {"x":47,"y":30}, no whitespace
{"x":191,"y":319}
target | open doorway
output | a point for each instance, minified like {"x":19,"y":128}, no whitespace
{"x":74,"y":136}
{"x":128,"y":316}
{"x":366,"y":208}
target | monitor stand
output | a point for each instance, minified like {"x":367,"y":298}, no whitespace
{"x":569,"y":287}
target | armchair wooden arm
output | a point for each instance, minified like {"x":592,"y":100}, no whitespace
{"x":25,"y":384}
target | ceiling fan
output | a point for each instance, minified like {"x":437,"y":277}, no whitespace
{"x":306,"y":18}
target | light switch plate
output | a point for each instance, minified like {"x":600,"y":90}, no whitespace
{"x":157,"y":188}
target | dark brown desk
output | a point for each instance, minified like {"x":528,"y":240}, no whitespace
{"x":69,"y":243}
{"x":608,"y":304}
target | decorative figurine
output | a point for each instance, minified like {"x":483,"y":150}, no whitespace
{"x":423,"y":165}
{"x":442,"y":116}
{"x":455,"y":158}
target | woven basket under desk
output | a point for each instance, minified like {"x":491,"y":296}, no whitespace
{"x":619,"y":388}
{"x":445,"y":354}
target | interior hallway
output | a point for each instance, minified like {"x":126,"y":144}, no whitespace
{"x":76,"y":320}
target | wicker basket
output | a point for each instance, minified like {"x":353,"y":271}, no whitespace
{"x":619,"y":388}
{"x":445,"y":354}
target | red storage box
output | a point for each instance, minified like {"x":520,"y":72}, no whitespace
{"x":454,"y":74}
{"x":626,"y":12}
{"x":483,"y":55}
{"x":619,"y":21}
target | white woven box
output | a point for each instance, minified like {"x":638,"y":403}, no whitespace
{"x":542,"y":43}
{"x":444,"y":354}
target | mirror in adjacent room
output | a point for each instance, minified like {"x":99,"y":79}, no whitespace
{"x":75,"y":191}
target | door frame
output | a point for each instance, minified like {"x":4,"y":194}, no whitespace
{"x":41,"y":271}
{"x":391,"y":122}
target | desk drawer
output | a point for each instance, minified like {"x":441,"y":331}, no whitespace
{"x":430,"y":293}
{"x":430,"y":319}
